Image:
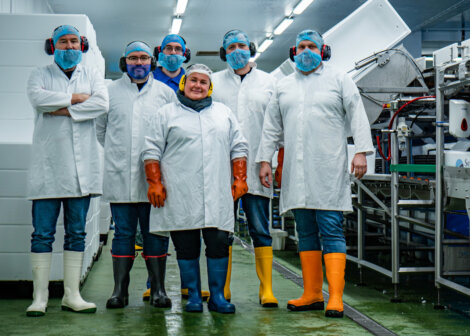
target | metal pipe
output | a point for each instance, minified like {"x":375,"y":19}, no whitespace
{"x":360,"y":230}
{"x":394,"y":210}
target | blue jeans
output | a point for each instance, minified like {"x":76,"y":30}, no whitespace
{"x":313,"y":224}
{"x":45,"y":214}
{"x":257,"y":215}
{"x":125,"y":217}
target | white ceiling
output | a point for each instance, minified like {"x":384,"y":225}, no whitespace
{"x":118,"y":22}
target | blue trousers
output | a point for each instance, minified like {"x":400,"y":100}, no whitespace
{"x":125,"y":217}
{"x":311,"y":225}
{"x":257,"y":214}
{"x":45,"y":213}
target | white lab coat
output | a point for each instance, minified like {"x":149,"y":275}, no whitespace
{"x":248,"y":100}
{"x":65,"y":159}
{"x":122,"y":131}
{"x":313,"y":112}
{"x":195,"y":152}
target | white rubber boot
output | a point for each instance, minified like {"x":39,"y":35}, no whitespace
{"x":72,"y":299}
{"x":41,"y":266}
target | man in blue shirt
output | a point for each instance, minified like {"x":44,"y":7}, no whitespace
{"x":171,"y":55}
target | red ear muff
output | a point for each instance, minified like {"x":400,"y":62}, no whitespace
{"x":84,"y":46}
{"x":292,"y":53}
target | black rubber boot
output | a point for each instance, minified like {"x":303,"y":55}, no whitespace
{"x":156,"y":267}
{"x":121,"y":268}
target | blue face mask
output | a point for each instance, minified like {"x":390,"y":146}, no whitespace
{"x":138,"y":71}
{"x":67,"y":59}
{"x":171,"y":62}
{"x":307,"y":60}
{"x":238,"y":58}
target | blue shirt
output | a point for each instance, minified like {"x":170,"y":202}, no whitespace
{"x":173,"y":83}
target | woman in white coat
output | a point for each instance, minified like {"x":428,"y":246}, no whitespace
{"x":188,"y":155}
{"x":314,"y":107}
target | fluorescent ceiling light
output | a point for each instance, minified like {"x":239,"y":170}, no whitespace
{"x":181,"y":6}
{"x":258,"y":54}
{"x":265,"y":45}
{"x":176,"y":25}
{"x":283,"y":26}
{"x":301,"y":6}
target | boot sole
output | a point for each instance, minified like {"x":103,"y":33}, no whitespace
{"x":313,"y":306}
{"x":83,"y":311}
{"x":185,"y":297}
{"x":334,"y":313}
{"x":268,"y":304}
{"x":118,"y":303}
{"x":35,"y":313}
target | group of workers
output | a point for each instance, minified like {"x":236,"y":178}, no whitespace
{"x":181,"y":147}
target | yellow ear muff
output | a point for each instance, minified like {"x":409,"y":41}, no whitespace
{"x":210,"y":90}
{"x":182,"y":83}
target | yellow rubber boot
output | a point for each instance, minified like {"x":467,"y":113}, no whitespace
{"x":227,"y":293}
{"x":312,"y":274}
{"x":146,"y":295}
{"x":204,"y":294}
{"x":335,"y":264}
{"x":264,"y":269}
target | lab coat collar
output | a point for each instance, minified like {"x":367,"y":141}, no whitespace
{"x":129,"y":83}
{"x":317,"y":72}
{"x":58,"y":69}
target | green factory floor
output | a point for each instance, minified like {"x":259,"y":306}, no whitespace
{"x":408,"y":318}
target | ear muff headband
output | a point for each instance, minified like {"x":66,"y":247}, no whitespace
{"x":325,"y":53}
{"x":49,"y":44}
{"x":187,"y":51}
{"x":183,"y":83}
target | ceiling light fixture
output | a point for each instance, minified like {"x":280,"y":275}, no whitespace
{"x":258,"y":54}
{"x":265,"y":45}
{"x":181,"y":6}
{"x":176,"y":25}
{"x":283,"y":26}
{"x":301,"y":6}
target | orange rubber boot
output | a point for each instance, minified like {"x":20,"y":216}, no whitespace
{"x":335,"y":264}
{"x":312,"y":274}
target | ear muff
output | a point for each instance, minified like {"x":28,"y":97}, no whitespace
{"x":183,"y":83}
{"x":325,"y":53}
{"x":223,"y":53}
{"x":49,"y":45}
{"x":123,"y":67}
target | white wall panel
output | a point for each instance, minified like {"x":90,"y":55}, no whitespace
{"x":15,"y":106}
{"x":17,"y":156}
{"x":15,"y":211}
{"x":13,"y":183}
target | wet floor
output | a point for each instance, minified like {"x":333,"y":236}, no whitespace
{"x":408,"y":318}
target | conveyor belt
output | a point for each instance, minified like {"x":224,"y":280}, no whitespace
{"x":355,"y":315}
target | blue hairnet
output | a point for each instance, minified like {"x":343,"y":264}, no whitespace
{"x":310,"y":35}
{"x":64,"y":30}
{"x":137,"y":46}
{"x":234,"y":36}
{"x":173,"y":38}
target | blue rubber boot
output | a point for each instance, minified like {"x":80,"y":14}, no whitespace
{"x":217,"y":273}
{"x":191,"y":277}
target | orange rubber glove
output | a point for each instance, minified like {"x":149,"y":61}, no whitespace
{"x":280,"y":162}
{"x":239,"y":186}
{"x":157,"y":192}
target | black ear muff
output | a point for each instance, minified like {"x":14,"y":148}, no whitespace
{"x":187,"y":54}
{"x":292,"y":53}
{"x":122,"y":64}
{"x":325,"y":52}
{"x":156,"y":51}
{"x":153,"y":64}
{"x":49,"y":46}
{"x":223,"y":54}
{"x":252,"y":49}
